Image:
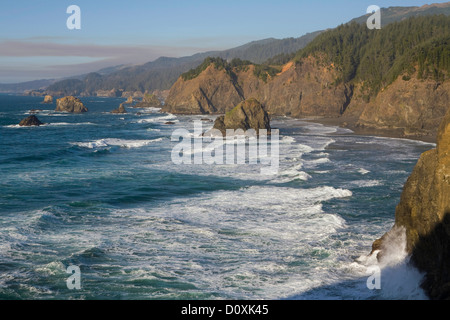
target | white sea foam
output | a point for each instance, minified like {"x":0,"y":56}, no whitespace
{"x":239,"y":230}
{"x":398,"y":277}
{"x":149,"y":110}
{"x":363,"y":171}
{"x":102,"y":143}
{"x":169,"y":117}
{"x":367,"y":183}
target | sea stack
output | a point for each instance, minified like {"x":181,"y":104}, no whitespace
{"x":48,"y":99}
{"x":120,"y":110}
{"x":70,"y":104}
{"x":248,"y":114}
{"x":31,"y":121}
{"x":129,"y":100}
{"x":424,"y":214}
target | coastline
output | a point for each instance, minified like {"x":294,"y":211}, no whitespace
{"x":347,"y":123}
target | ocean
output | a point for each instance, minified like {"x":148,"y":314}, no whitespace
{"x":101,"y":192}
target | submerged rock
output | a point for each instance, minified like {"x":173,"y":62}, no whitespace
{"x":70,"y":104}
{"x":248,"y":114}
{"x":30,"y":121}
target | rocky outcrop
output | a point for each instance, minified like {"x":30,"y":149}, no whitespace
{"x":30,"y":121}
{"x":70,"y":104}
{"x":300,"y":90}
{"x":120,"y":110}
{"x":424,"y":214}
{"x":249,"y":114}
{"x":412,"y":107}
{"x":308,"y":88}
{"x":113,"y":93}
{"x":214,"y":91}
{"x":48,"y":99}
{"x":129,"y":100}
{"x":149,"y":101}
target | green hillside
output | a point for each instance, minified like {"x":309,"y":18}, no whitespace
{"x":418,"y":45}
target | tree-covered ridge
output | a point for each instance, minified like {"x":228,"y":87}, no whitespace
{"x":262,"y":71}
{"x":377,"y":57}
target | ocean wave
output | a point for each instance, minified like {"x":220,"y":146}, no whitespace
{"x":149,"y":110}
{"x":367,"y":183}
{"x":363,"y":171}
{"x":104,"y":143}
{"x":169,"y":117}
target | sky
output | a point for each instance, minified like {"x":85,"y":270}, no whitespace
{"x":35,"y":42}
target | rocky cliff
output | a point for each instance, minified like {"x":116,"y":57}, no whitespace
{"x":412,"y":107}
{"x":149,"y":101}
{"x":299,"y":89}
{"x":408,"y":107}
{"x":214,"y":91}
{"x":424,"y":214}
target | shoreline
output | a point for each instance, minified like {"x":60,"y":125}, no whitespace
{"x":346,"y":123}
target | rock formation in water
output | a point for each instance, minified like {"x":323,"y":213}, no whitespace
{"x":249,"y":114}
{"x":48,"y":99}
{"x":129,"y":100}
{"x":70,"y":104}
{"x":120,"y":110}
{"x":424,"y":213}
{"x":30,"y":121}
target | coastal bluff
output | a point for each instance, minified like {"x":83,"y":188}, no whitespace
{"x":424,"y":214}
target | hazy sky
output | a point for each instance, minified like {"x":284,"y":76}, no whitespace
{"x":35,"y":42}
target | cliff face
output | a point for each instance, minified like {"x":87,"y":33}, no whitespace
{"x":424,"y":213}
{"x":306,"y":89}
{"x":415,"y":107}
{"x":299,"y":90}
{"x":213,"y":91}
{"x":409,"y":108}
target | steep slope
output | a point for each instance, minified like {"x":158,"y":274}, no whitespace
{"x":394,"y":79}
{"x":396,"y":14}
{"x":424,"y":214}
{"x":213,"y":91}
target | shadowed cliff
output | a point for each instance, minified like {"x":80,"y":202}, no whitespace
{"x":423,"y":212}
{"x":431,"y":255}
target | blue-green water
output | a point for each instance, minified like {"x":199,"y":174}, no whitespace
{"x":100,"y":191}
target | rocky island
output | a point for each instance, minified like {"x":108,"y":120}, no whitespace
{"x":48,"y":99}
{"x":31,"y":121}
{"x":120,"y":110}
{"x":70,"y":104}
{"x":249,"y":114}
